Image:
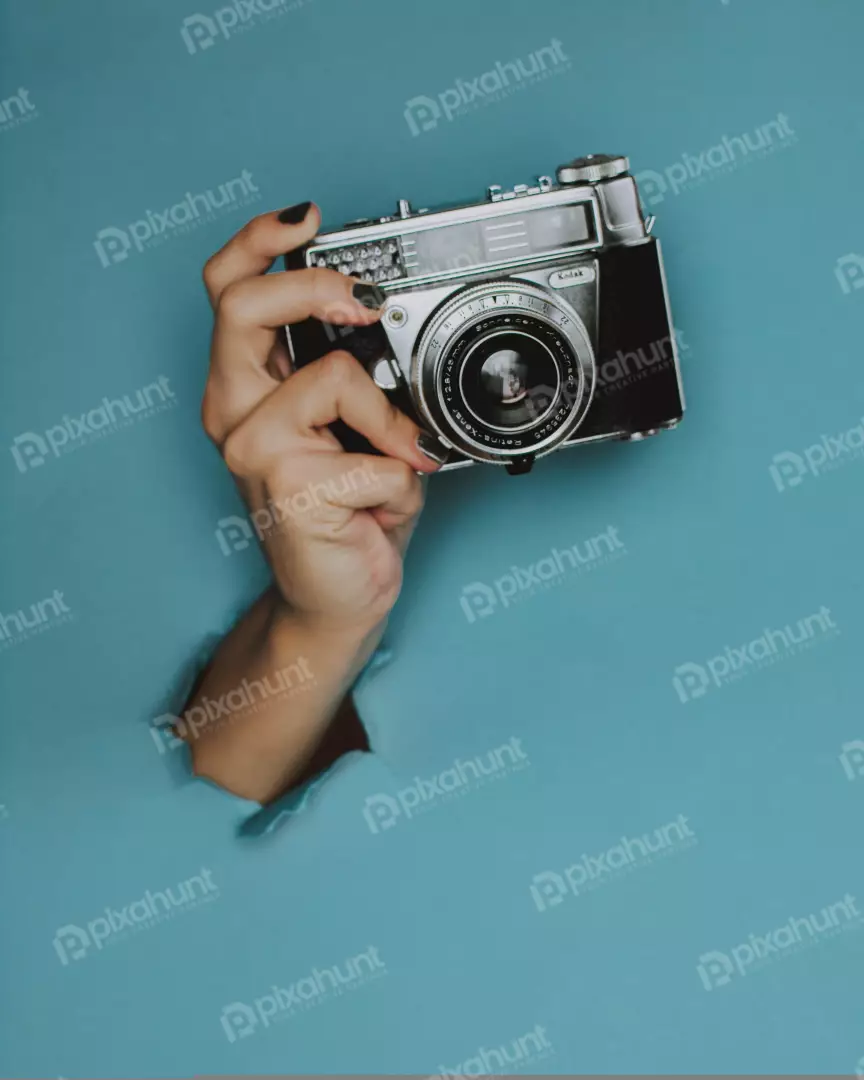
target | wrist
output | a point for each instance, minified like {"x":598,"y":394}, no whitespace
{"x":340,"y":633}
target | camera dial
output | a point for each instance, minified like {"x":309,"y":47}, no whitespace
{"x":592,"y":169}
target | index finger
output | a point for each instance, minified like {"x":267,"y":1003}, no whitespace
{"x":253,"y":250}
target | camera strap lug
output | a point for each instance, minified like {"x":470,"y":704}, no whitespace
{"x":520,"y":465}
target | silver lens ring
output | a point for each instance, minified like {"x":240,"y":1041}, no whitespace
{"x":447,"y":340}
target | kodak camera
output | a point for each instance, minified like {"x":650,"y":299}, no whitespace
{"x":535,"y":320}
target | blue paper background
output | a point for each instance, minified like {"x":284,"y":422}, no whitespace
{"x":768,"y":770}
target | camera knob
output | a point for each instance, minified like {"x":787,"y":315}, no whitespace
{"x":592,"y":169}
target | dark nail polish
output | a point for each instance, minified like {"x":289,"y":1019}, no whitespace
{"x":295,"y":214}
{"x":432,"y":448}
{"x":370,"y":296}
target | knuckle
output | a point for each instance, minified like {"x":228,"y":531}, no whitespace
{"x":234,"y":302}
{"x":339,"y":367}
{"x":238,"y":452}
{"x":283,"y":478}
{"x":210,"y":415}
{"x":210,"y":272}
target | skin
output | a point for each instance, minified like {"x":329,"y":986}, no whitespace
{"x":337,"y":559}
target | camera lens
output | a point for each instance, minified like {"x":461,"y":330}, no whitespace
{"x":503,"y":369}
{"x":508,"y":378}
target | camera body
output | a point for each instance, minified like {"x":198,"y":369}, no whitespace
{"x":535,"y":320}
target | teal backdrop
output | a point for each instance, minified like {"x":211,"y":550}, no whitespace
{"x":613,"y":821}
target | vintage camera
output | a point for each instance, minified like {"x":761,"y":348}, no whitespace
{"x":513,"y":327}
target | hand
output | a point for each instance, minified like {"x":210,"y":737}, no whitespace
{"x":334,"y":525}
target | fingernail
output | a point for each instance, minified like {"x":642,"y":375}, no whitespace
{"x":295,"y":214}
{"x":370,"y":296}
{"x":432,"y":448}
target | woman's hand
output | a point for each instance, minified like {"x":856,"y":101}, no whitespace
{"x":334,"y":525}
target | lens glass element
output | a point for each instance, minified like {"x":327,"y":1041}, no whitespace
{"x":504,"y":375}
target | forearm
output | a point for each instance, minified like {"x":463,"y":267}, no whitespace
{"x":265,"y":703}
